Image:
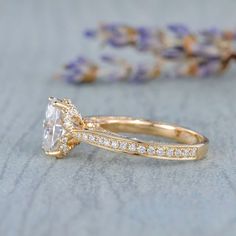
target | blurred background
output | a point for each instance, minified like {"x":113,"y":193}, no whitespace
{"x":94,"y":192}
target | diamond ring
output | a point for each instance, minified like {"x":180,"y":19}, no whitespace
{"x":64,"y":128}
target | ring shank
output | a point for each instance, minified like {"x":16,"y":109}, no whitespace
{"x":139,"y":126}
{"x":189,"y":145}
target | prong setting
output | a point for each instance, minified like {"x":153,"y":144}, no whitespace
{"x":61,"y":118}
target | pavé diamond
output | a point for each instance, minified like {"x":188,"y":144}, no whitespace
{"x":114,"y":144}
{"x":151,"y":150}
{"x":160,"y":151}
{"x":185,"y":152}
{"x":170,"y":152}
{"x":123,"y":145}
{"x":178,"y":152}
{"x":64,"y":148}
{"x":85,"y":137}
{"x":91,"y":138}
{"x":106,"y":142}
{"x":193,"y":152}
{"x":53,"y":129}
{"x":132,"y":147}
{"x":101,"y":140}
{"x":141,"y":149}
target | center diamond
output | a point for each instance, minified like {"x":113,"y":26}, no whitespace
{"x":53,"y":129}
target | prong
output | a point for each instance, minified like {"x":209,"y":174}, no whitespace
{"x":57,"y":154}
{"x":67,"y":101}
{"x":60,"y":105}
{"x":51,"y":98}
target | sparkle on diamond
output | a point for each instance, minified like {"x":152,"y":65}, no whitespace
{"x":53,"y":129}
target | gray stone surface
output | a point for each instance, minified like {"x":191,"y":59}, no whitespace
{"x":95,"y":192}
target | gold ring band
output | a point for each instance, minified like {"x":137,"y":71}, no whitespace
{"x":64,"y":128}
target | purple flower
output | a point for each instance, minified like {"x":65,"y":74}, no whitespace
{"x":208,"y":52}
{"x":172,"y":53}
{"x":70,"y":66}
{"x":116,"y":42}
{"x":76,"y":63}
{"x":211,"y":32}
{"x":144,"y":39}
{"x":69,"y":78}
{"x":115,"y":35}
{"x":107,"y":58}
{"x":208,"y":68}
{"x":75,"y":71}
{"x":82,"y":60}
{"x":90,"y":33}
{"x":110,"y":27}
{"x":179,"y":29}
{"x":144,"y":33}
{"x":140,"y":74}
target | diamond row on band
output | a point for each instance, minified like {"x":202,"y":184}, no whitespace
{"x":135,"y":147}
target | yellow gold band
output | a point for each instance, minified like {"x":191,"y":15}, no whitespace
{"x":104,"y":133}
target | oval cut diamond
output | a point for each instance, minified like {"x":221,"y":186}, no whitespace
{"x":53,"y":129}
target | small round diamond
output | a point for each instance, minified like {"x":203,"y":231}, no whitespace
{"x":170,"y":152}
{"x":101,"y":140}
{"x":132,"y":147}
{"x":193,"y":152}
{"x":160,"y":152}
{"x":106,"y":142}
{"x":85,"y":137}
{"x":114,"y":144}
{"x":151,"y":150}
{"x":178,"y":152}
{"x":141,"y":149}
{"x":79,"y":135}
{"x":185,"y":152}
{"x":64,"y":148}
{"x":64,"y":140}
{"x":123,"y":145}
{"x":91,"y":138}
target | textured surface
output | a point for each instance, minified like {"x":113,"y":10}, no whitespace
{"x":96,"y":192}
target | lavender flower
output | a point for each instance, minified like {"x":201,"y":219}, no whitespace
{"x":139,"y":73}
{"x":208,"y":68}
{"x":90,"y":33}
{"x":176,"y":48}
{"x":172,"y":53}
{"x":178,"y":29}
{"x":108,"y":58}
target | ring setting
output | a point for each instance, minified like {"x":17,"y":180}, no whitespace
{"x":64,"y":128}
{"x":61,"y":118}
